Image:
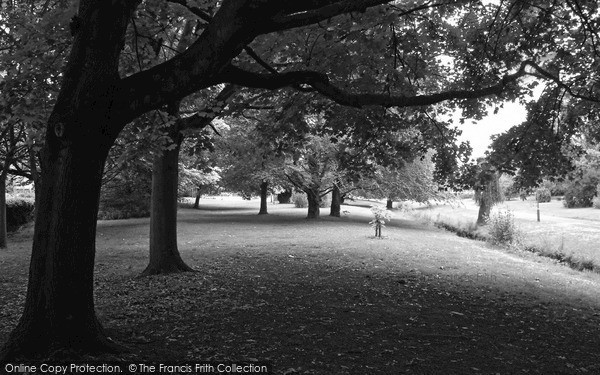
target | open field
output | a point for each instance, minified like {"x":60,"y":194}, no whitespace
{"x":325,"y":297}
{"x":573,"y":231}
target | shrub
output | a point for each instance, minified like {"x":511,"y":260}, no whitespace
{"x":579,"y":195}
{"x":124,"y":207}
{"x":596,"y":202}
{"x":284,"y":196}
{"x":502,"y":228}
{"x":543,"y":195}
{"x":19,"y":211}
{"x":299,"y":200}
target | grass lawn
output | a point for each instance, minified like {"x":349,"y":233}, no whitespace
{"x":571,"y":231}
{"x":325,"y":297}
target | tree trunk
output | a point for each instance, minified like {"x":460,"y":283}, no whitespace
{"x":390,"y":204}
{"x":264,"y":190}
{"x":59,"y":307}
{"x":484,"y":211}
{"x":198,"y":196}
{"x":335,"y":201}
{"x":3,"y":224}
{"x":164,"y":254}
{"x":314,"y":203}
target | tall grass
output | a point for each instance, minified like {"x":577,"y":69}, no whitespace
{"x":502,"y":230}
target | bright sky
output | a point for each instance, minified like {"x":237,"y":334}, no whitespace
{"x":479,"y":133}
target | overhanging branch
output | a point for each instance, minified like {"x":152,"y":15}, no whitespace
{"x":204,"y":117}
{"x":320,"y":83}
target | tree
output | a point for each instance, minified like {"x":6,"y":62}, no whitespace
{"x":542,"y":146}
{"x":249,"y":158}
{"x":415,"y":181}
{"x":198,"y":172}
{"x":582,"y":183}
{"x":95,"y":102}
{"x":164,"y":253}
{"x":487,"y":189}
{"x":32,"y":46}
{"x":314,"y":171}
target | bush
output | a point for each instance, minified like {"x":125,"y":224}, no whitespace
{"x":124,"y":207}
{"x":299,"y":200}
{"x":543,"y":195}
{"x":502,"y":228}
{"x":19,"y":211}
{"x":596,"y":202}
{"x":284,"y":197}
{"x":579,"y":195}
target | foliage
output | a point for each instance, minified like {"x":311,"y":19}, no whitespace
{"x":502,"y":228}
{"x":198,"y":172}
{"x":539,"y":148}
{"x":543,"y":195}
{"x":248,"y":155}
{"x":556,"y":187}
{"x":583,"y":181}
{"x":299,"y":200}
{"x":596,"y":202}
{"x":19,"y":211}
{"x":414,"y":180}
{"x":284,"y":196}
{"x":192,"y":180}
{"x":507,"y":187}
{"x":579,"y":194}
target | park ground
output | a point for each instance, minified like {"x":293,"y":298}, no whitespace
{"x":326,"y":297}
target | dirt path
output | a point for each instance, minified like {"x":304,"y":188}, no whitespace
{"x":326,"y":297}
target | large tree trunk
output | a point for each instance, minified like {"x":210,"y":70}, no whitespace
{"x":3,"y":223}
{"x":336,"y":201}
{"x":59,"y":307}
{"x":314,"y":203}
{"x":164,"y":254}
{"x":264,"y":191}
{"x":389,"y":204}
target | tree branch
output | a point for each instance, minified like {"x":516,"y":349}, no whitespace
{"x":195,"y":10}
{"x":313,"y":15}
{"x":320,"y":82}
{"x":204,"y":117}
{"x":544,"y":74}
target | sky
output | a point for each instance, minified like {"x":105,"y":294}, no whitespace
{"x":479,"y":133}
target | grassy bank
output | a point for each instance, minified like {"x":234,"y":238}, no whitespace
{"x":570,"y":236}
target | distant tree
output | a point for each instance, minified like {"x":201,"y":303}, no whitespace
{"x":487,"y":189}
{"x":249,"y":159}
{"x":582,"y":183}
{"x":314,"y":170}
{"x":415,"y":181}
